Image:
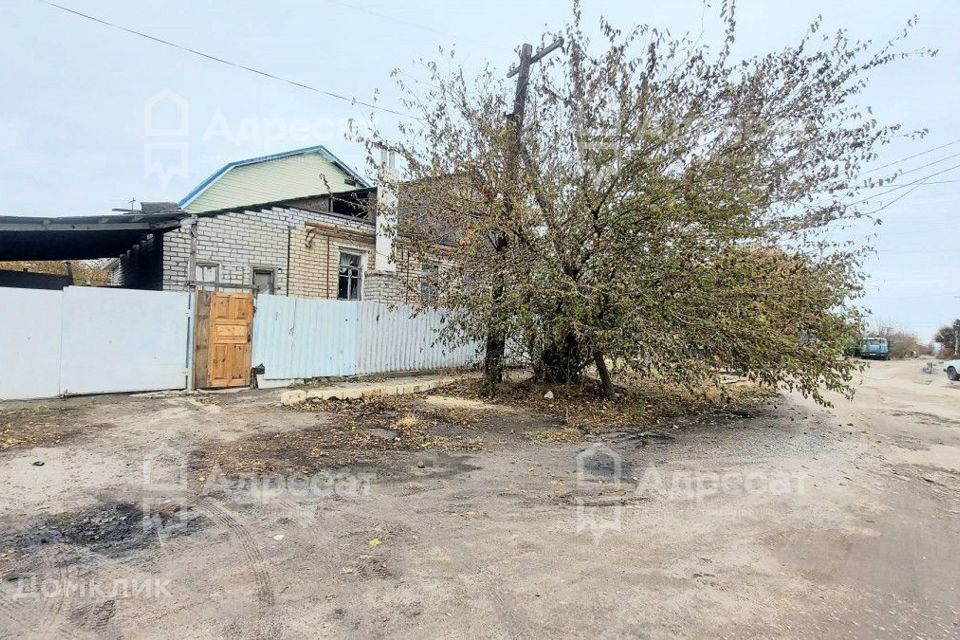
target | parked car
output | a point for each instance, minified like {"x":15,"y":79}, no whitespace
{"x":952,"y":367}
{"x":876,"y":348}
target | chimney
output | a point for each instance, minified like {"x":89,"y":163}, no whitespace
{"x":387,"y":203}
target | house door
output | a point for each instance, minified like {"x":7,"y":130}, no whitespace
{"x":222,"y":340}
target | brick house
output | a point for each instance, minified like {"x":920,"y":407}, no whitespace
{"x":294,"y":223}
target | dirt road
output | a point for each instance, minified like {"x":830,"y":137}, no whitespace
{"x":136,"y":517}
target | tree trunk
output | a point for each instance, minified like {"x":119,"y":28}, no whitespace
{"x":607,"y":384}
{"x":562,"y":362}
{"x":493,"y":361}
{"x":495,"y":348}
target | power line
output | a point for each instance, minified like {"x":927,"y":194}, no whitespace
{"x":916,"y":155}
{"x":898,"y":198}
{"x":929,"y":164}
{"x":888,"y":187}
{"x":915,"y":183}
{"x":237,"y":65}
{"x":355,"y":101}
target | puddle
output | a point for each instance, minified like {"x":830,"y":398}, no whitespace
{"x":603,"y":462}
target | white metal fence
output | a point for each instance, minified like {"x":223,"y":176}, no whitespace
{"x":29,"y":343}
{"x":96,"y":340}
{"x":91,"y":340}
{"x":310,"y":338}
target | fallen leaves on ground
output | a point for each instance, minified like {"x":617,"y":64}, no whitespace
{"x":641,"y":403}
{"x":568,"y":434}
{"x":357,"y":432}
{"x":35,"y":427}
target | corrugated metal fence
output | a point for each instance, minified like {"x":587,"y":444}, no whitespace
{"x":309,"y":338}
{"x":95,"y":340}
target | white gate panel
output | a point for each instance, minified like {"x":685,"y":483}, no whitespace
{"x":117,"y":340}
{"x":29,"y":343}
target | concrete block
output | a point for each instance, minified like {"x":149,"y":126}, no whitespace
{"x":294,"y":397}
{"x":337,"y":393}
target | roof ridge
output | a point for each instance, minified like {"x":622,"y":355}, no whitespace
{"x":200,"y":188}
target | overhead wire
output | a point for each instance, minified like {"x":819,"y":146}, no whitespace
{"x":352,"y":100}
{"x":917,"y":182}
{"x":911,"y":157}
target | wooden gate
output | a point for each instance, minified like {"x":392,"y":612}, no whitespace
{"x":222,"y":340}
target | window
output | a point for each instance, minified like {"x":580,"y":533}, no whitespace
{"x":264,"y":281}
{"x":349,"y":280}
{"x":428,"y":282}
{"x":207,"y":272}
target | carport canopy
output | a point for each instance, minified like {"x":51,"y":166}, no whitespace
{"x":81,"y":237}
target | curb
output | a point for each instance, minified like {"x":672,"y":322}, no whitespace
{"x":299,"y":396}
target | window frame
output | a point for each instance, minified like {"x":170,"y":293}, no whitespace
{"x":359,"y":255}
{"x":429,"y":271}
{"x":206,"y":264}
{"x":254,"y":270}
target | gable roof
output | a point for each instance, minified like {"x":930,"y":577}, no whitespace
{"x":297,"y":179}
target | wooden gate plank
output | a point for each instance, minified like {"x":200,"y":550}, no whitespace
{"x":201,"y":340}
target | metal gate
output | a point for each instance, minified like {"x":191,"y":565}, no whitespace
{"x":29,"y":343}
{"x":92,"y":340}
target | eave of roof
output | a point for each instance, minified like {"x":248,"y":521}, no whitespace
{"x":286,"y":204}
{"x":200,"y":188}
{"x":103,"y":222}
{"x":79,"y":237}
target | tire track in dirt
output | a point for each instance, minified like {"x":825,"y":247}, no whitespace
{"x":25,"y":616}
{"x":267,"y":627}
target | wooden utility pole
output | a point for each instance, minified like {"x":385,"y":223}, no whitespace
{"x":496,"y":335}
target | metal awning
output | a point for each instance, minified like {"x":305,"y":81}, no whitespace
{"x":79,"y":238}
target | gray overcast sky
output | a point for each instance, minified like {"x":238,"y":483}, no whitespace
{"x":76,"y":137}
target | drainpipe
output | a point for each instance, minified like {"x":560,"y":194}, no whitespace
{"x":191,"y":226}
{"x":287,"y":276}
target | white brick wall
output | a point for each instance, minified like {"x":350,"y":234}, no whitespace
{"x":239,"y":242}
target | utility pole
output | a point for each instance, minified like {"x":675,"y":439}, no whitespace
{"x":496,"y":335}
{"x":527,"y":59}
